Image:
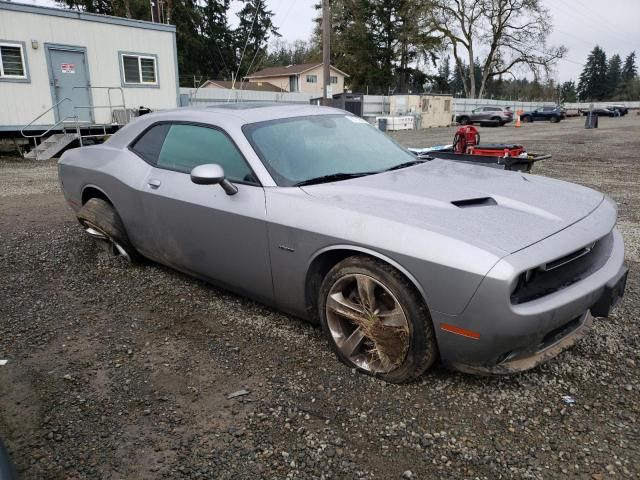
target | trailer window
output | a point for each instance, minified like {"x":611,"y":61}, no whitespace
{"x":12,"y":64}
{"x":139,"y":70}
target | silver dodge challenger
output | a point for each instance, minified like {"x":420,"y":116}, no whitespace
{"x":402,"y":261}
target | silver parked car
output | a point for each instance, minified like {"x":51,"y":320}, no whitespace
{"x":315,"y":212}
{"x":499,"y":115}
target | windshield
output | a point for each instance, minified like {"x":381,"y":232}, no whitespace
{"x":296,"y":150}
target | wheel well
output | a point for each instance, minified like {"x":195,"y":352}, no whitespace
{"x":92,"y":192}
{"x":319,"y":268}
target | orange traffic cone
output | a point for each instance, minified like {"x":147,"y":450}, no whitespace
{"x":518,"y":119}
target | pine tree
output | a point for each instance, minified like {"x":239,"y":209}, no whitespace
{"x":628,"y":78}
{"x":443,"y":79}
{"x":568,"y":92}
{"x":629,"y":71}
{"x":456,"y":87}
{"x":252,"y":35}
{"x":614,"y":75}
{"x":187,"y":17}
{"x":219,"y":55}
{"x":593,"y":79}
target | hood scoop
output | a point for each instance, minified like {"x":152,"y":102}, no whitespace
{"x":475,"y":202}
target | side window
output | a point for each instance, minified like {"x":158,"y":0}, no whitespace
{"x":149,"y":145}
{"x":187,"y":146}
{"x":12,"y":64}
{"x":139,"y":70}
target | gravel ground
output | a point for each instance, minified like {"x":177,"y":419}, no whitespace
{"x":119,"y":372}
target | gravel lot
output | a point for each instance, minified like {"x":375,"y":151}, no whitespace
{"x":119,"y":372}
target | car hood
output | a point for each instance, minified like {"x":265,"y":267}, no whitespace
{"x":483,"y":206}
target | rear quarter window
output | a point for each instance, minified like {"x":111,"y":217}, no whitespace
{"x":149,"y":145}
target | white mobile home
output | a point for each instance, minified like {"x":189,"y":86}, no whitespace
{"x":58,"y":66}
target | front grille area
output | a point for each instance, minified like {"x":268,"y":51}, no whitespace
{"x":562,"y":272}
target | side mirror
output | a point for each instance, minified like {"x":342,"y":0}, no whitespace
{"x":212,"y":174}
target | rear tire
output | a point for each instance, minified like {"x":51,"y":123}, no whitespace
{"x":392,"y":327}
{"x":526,"y":119}
{"x":101,"y":221}
{"x":555,"y":119}
{"x":464,"y":121}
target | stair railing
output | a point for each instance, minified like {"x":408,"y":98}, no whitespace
{"x":75,"y":119}
{"x":111,"y":105}
{"x":35,"y":137}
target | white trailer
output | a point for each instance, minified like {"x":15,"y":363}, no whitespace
{"x":64,"y":69}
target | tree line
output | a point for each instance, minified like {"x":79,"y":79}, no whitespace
{"x":386,"y":46}
{"x":469,"y":48}
{"x":603,"y":79}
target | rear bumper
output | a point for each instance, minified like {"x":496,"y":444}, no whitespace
{"x":511,"y":338}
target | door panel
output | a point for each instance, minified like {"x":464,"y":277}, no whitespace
{"x":69,"y":70}
{"x":202,"y":230}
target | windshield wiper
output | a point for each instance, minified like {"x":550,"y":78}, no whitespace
{"x":405,"y":165}
{"x":333,"y":177}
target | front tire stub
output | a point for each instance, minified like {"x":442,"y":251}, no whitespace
{"x":102,"y":223}
{"x":375,"y":321}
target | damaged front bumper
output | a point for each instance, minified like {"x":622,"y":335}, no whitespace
{"x":559,"y":341}
{"x":510,"y":338}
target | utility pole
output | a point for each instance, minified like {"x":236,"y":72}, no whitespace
{"x":326,"y":48}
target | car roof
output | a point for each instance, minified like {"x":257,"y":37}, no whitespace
{"x":251,"y":112}
{"x":226,"y":115}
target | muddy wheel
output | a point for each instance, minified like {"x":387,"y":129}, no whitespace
{"x":101,"y":221}
{"x":375,"y":320}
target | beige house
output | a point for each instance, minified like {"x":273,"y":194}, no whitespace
{"x":303,"y":78}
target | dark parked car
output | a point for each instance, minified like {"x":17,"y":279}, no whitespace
{"x":601,"y":112}
{"x":551,"y":114}
{"x":499,"y":115}
{"x":621,"y":109}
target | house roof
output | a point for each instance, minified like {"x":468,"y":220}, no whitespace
{"x":256,"y":86}
{"x":289,"y":70}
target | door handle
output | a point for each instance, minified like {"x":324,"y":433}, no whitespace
{"x":153,"y":183}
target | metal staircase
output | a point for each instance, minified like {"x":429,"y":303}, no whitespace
{"x":64,"y":132}
{"x":51,"y":146}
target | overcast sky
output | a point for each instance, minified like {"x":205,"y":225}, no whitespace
{"x":578,"y":25}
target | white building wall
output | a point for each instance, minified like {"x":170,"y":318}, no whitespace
{"x":22,"y":102}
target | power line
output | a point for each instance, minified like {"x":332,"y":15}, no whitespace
{"x":255,"y":15}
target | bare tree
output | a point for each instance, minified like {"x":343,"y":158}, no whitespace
{"x":503,"y":34}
